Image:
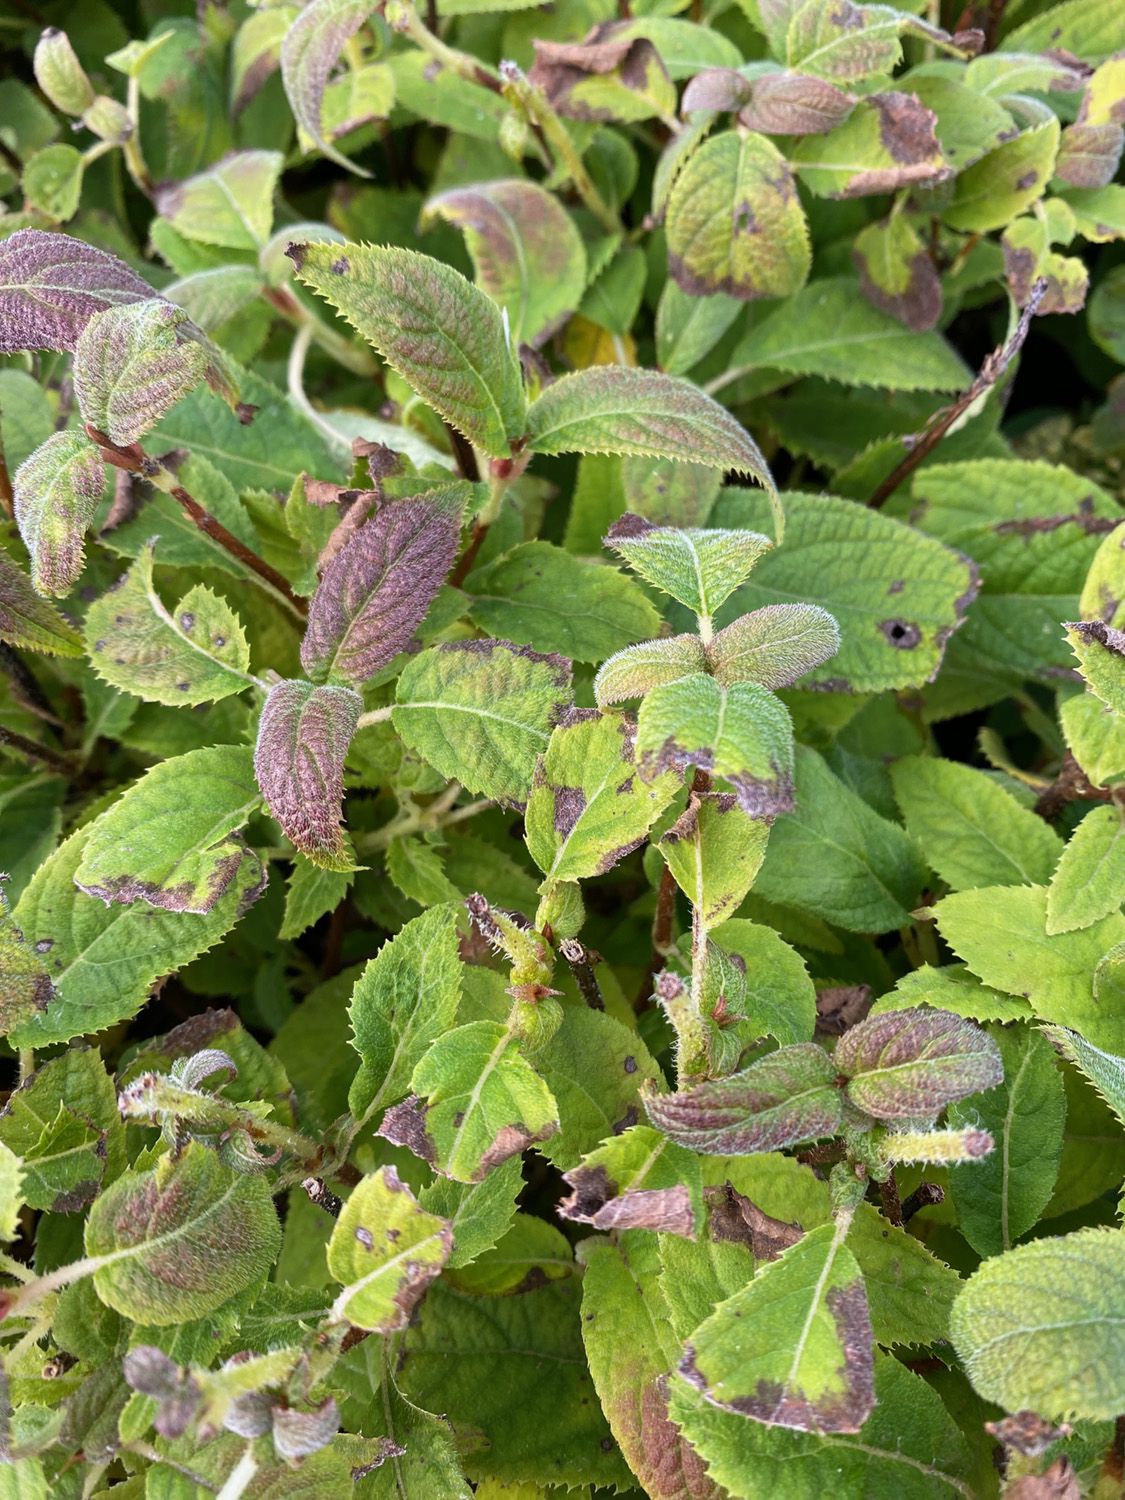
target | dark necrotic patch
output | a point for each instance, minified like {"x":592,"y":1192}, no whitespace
{"x":901,"y":634}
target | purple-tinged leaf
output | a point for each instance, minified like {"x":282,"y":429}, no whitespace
{"x":56,"y":492}
{"x":132,"y":364}
{"x":787,"y":1097}
{"x":51,"y":285}
{"x":303,"y":737}
{"x":309,"y":53}
{"x":28,"y":621}
{"x":795,"y":104}
{"x":615,"y":409}
{"x":716,"y":90}
{"x":377,"y":589}
{"x":1089,"y":155}
{"x":527,"y":254}
{"x":909,"y":1064}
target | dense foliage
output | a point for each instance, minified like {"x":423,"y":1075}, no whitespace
{"x":562,"y":735}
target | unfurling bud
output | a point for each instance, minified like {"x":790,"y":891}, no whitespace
{"x":60,"y":75}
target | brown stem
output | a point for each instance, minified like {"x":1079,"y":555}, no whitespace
{"x":923,"y":443}
{"x":661,"y":936}
{"x":892,"y":1203}
{"x":136,"y":461}
{"x":925,"y":1195}
{"x":39,"y":753}
{"x":469,"y":556}
{"x":7,"y":499}
{"x":463,"y":453}
{"x":582,"y":960}
{"x":1070,"y":785}
{"x":992,"y":23}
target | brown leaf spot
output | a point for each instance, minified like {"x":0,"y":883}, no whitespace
{"x":901,"y":634}
{"x":733,"y":1217}
{"x":405,"y":1125}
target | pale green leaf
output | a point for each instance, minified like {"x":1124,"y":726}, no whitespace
{"x":1102,"y":1069}
{"x":484,"y":1102}
{"x":385,"y":1250}
{"x":999,"y":1198}
{"x":734,"y":221}
{"x":830,"y":329}
{"x":229,"y":205}
{"x":888,"y":142}
{"x":1090,"y":880}
{"x":1001,"y":934}
{"x":774,"y":645}
{"x":637,"y":1179}
{"x":443,"y":335}
{"x":406,"y":997}
{"x":28,"y":621}
{"x":11,"y":1199}
{"x":973,"y":831}
{"x":170,"y":839}
{"x":909,"y":1290}
{"x":952,"y":987}
{"x":309,"y":54}
{"x":195,"y":653}
{"x":895,"y":594}
{"x":1040,"y":1328}
{"x":1090,"y":29}
{"x":56,"y":492}
{"x":714,"y":851}
{"x":700,"y":569}
{"x":594,"y":1067}
{"x":480,"y":712}
{"x":636,"y":670}
{"x":102,"y":961}
{"x":778,"y":997}
{"x":479,"y":1213}
{"x":1002,"y":185}
{"x":741,"y":734}
{"x":588,"y":807}
{"x":1100,"y":650}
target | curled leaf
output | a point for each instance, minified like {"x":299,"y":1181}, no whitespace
{"x":303,"y":737}
{"x":310,"y":51}
{"x":787,"y":1097}
{"x":57,"y":490}
{"x":377,"y":589}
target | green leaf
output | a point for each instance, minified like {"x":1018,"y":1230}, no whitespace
{"x":835,"y":857}
{"x":229,"y":205}
{"x":538,"y":594}
{"x":1087,"y":28}
{"x":1032,"y":529}
{"x":594,"y":1067}
{"x":303,"y":738}
{"x":1090,"y":878}
{"x":1039,"y":1328}
{"x":1104,"y":1071}
{"x":443,"y":335}
{"x":810,"y":1365}
{"x":952,"y":988}
{"x":1002,"y":185}
{"x":530,"y":1252}
{"x":636,"y":1180}
{"x":630,"y":1348}
{"x":699,"y":569}
{"x":132,"y":364}
{"x":895,"y":594}
{"x":973,"y":831}
{"x":774,"y":645}
{"x":27,"y":986}
{"x":526,"y":252}
{"x":484,"y":1103}
{"x":778,"y":997}
{"x":479,"y":1213}
{"x":907,"y":1065}
{"x":897,"y":274}
{"x":1001,"y":1197}
{"x":56,"y":493}
{"x":178,"y":1242}
{"x":734,"y":221}
{"x":169,"y":840}
{"x":52,"y":181}
{"x":615,"y":409}
{"x":830,"y":329}
{"x":588,"y":808}
{"x":688,"y":328}
{"x":1001,"y":933}
{"x":910,"y":1291}
{"x":11,"y":1201}
{"x":312,"y":894}
{"x":636,"y":670}
{"x":741,"y":733}
{"x":103,"y":961}
{"x":514,"y":1369}
{"x":64,"y":1125}
{"x":888,"y":142}
{"x":195,"y":653}
{"x":783,"y":1099}
{"x":28,"y":621}
{"x":1100,"y":650}
{"x":385,"y":1250}
{"x":309,"y":54}
{"x":406,"y":998}
{"x":714,"y":851}
{"x":480,"y":712}
{"x":910,"y":1447}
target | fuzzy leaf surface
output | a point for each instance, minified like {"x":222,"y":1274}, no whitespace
{"x":385,"y":1250}
{"x":699,"y":569}
{"x":309,"y":53}
{"x":132,"y":364}
{"x":52,"y":284}
{"x":1090,"y":879}
{"x":443,"y":335}
{"x":28,"y":621}
{"x":303,"y":739}
{"x":636,"y":670}
{"x":714,"y":851}
{"x":56,"y":492}
{"x":909,"y":1064}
